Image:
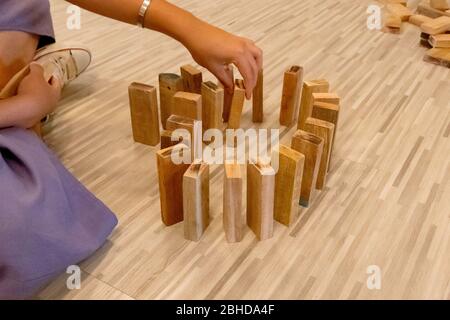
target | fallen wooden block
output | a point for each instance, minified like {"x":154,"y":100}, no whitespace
{"x":326,"y":97}
{"x":288,"y":181}
{"x":425,"y":40}
{"x":169,"y":84}
{"x":439,"y":56}
{"x":392,"y":23}
{"x":436,"y":26}
{"x":260,"y":199}
{"x":212,"y":105}
{"x":311,"y":146}
{"x":237,"y":104}
{"x":188,"y":105}
{"x":439,"y":4}
{"x":258,"y":99}
{"x":196,"y":201}
{"x":440,"y":41}
{"x":144,"y":113}
{"x":309,"y":87}
{"x":428,"y":11}
{"x":170,"y":177}
{"x":418,"y":19}
{"x":228,"y":96}
{"x":327,"y":112}
{"x":192,"y":79}
{"x":290,"y":100}
{"x":233,"y":223}
{"x":166,"y":139}
{"x":324,"y":130}
{"x":399,"y":10}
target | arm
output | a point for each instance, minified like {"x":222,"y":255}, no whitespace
{"x":35,"y":99}
{"x":210,"y":47}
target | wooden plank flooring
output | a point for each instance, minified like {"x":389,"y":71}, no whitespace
{"x":386,"y":201}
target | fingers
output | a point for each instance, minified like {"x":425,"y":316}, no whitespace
{"x":257,"y":54}
{"x":222,"y":72}
{"x":248,"y":73}
{"x":36,"y":69}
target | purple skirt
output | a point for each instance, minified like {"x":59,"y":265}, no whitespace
{"x":48,"y":220}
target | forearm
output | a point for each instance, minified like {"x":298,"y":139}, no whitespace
{"x":17,"y":112}
{"x":161,"y":16}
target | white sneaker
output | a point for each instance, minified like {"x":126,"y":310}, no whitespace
{"x":64,"y":62}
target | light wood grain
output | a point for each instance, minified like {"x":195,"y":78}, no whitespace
{"x":418,"y":19}
{"x":440,"y":41}
{"x":310,"y":87}
{"x":237,"y":105}
{"x":233,"y":222}
{"x":325,"y":97}
{"x":144,"y":113}
{"x":439,"y":4}
{"x":427,"y":10}
{"x":196,"y":201}
{"x":192,"y":79}
{"x":169,"y":84}
{"x":258,"y":99}
{"x":212,"y":105}
{"x":436,"y":26}
{"x":399,"y":10}
{"x":186,"y":104}
{"x":288,"y":181}
{"x":260,"y":199}
{"x":290,"y":98}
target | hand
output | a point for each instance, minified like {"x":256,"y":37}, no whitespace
{"x":42,"y":95}
{"x":215,"y":49}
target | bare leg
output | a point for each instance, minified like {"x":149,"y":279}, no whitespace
{"x":17,"y":50}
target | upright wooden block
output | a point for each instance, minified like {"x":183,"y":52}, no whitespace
{"x":192,"y":79}
{"x":188,"y":105}
{"x":324,"y":130}
{"x":439,"y":56}
{"x":437,"y":26}
{"x":418,"y":19}
{"x":399,"y":10}
{"x":144,"y":113}
{"x":237,"y":104}
{"x":232,"y":203}
{"x":170,"y":178}
{"x":258,"y":99}
{"x":166,"y":139}
{"x":260,"y":199}
{"x":327,"y":112}
{"x":228,"y":96}
{"x":439,"y":4}
{"x":440,"y":41}
{"x":309,"y":87}
{"x":288,"y":181}
{"x":311,"y":146}
{"x":290,"y":100}
{"x":196,"y":201}
{"x":326,"y":97}
{"x":212,"y":105}
{"x":169,"y":84}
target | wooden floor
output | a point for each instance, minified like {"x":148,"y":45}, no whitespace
{"x":387,"y":201}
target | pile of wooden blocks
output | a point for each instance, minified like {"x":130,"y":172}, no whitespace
{"x":434,"y":20}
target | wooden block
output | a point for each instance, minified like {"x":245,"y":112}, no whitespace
{"x":166,"y":139}
{"x":392,"y":22}
{"x":228,"y":97}
{"x":326,"y":97}
{"x":327,"y":112}
{"x":169,"y":84}
{"x":192,"y":79}
{"x":290,"y":100}
{"x":258,"y":99}
{"x":440,"y":41}
{"x":324,"y":130}
{"x":439,"y":56}
{"x":311,"y":146}
{"x":237,"y":104}
{"x":170,"y":178}
{"x":188,"y":105}
{"x":196,"y":201}
{"x":288,"y":181}
{"x":310,"y":87}
{"x":399,"y":10}
{"x":439,"y":4}
{"x":212,"y":105}
{"x":428,"y":11}
{"x":436,"y":26}
{"x":144,"y":113}
{"x":418,"y":19}
{"x":260,"y":199}
{"x":233,"y":223}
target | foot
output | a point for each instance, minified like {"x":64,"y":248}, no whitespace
{"x":63,"y":62}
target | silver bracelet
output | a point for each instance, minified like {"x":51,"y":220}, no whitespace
{"x":142,"y":11}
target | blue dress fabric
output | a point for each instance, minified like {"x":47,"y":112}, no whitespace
{"x":48,"y":220}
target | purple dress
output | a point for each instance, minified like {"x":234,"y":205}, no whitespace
{"x":48,"y":220}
